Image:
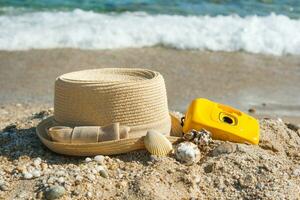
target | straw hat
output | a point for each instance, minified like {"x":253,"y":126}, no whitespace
{"x":135,"y":98}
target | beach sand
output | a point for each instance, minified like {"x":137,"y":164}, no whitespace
{"x":28,"y":169}
{"x":268,"y":84}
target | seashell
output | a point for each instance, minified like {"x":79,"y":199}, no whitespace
{"x":200,"y":138}
{"x":176,"y":129}
{"x":203,"y":137}
{"x":187,"y":152}
{"x":157,"y":144}
{"x":88,"y":134}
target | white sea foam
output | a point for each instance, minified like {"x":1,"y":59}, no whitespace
{"x":273,"y":34}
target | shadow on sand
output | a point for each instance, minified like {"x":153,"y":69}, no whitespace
{"x":21,"y":142}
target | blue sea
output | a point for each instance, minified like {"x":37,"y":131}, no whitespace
{"x":255,"y":26}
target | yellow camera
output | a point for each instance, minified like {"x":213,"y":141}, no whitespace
{"x":224,"y":122}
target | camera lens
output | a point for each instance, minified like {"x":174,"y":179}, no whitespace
{"x":227,"y":120}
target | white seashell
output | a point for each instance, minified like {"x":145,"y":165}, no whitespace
{"x":157,"y":144}
{"x":188,"y":153}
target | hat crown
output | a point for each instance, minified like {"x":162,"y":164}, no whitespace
{"x":133,"y":97}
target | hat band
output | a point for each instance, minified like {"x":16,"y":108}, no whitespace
{"x":135,"y":131}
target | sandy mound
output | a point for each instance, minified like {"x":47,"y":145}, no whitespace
{"x":28,"y":170}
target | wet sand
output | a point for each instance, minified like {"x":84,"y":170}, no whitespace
{"x":267,"y":83}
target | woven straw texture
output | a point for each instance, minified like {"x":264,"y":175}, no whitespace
{"x":133,"y":97}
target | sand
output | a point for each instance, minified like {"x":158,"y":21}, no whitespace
{"x":268,"y":84}
{"x":270,"y":170}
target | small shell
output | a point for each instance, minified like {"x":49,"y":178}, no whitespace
{"x":204,"y":137}
{"x":200,"y":138}
{"x":157,"y":144}
{"x":188,"y":153}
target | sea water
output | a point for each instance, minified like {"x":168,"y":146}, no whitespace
{"x":255,"y":26}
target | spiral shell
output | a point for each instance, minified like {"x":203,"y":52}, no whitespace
{"x":187,"y":152}
{"x":200,"y":138}
{"x":157,"y":144}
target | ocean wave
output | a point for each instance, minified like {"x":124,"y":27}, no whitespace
{"x":273,"y":34}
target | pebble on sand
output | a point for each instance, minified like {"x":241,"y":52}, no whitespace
{"x":102,"y":171}
{"x":37,"y":162}
{"x":89,"y":195}
{"x":27,"y":175}
{"x":36,"y":173}
{"x":225,"y":148}
{"x":61,"y":180}
{"x":104,"y":174}
{"x":4,"y":186}
{"x":99,"y":159}
{"x":54,"y":192}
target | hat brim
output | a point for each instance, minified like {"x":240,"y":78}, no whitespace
{"x":89,"y":149}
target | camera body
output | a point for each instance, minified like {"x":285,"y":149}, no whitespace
{"x":224,"y":122}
